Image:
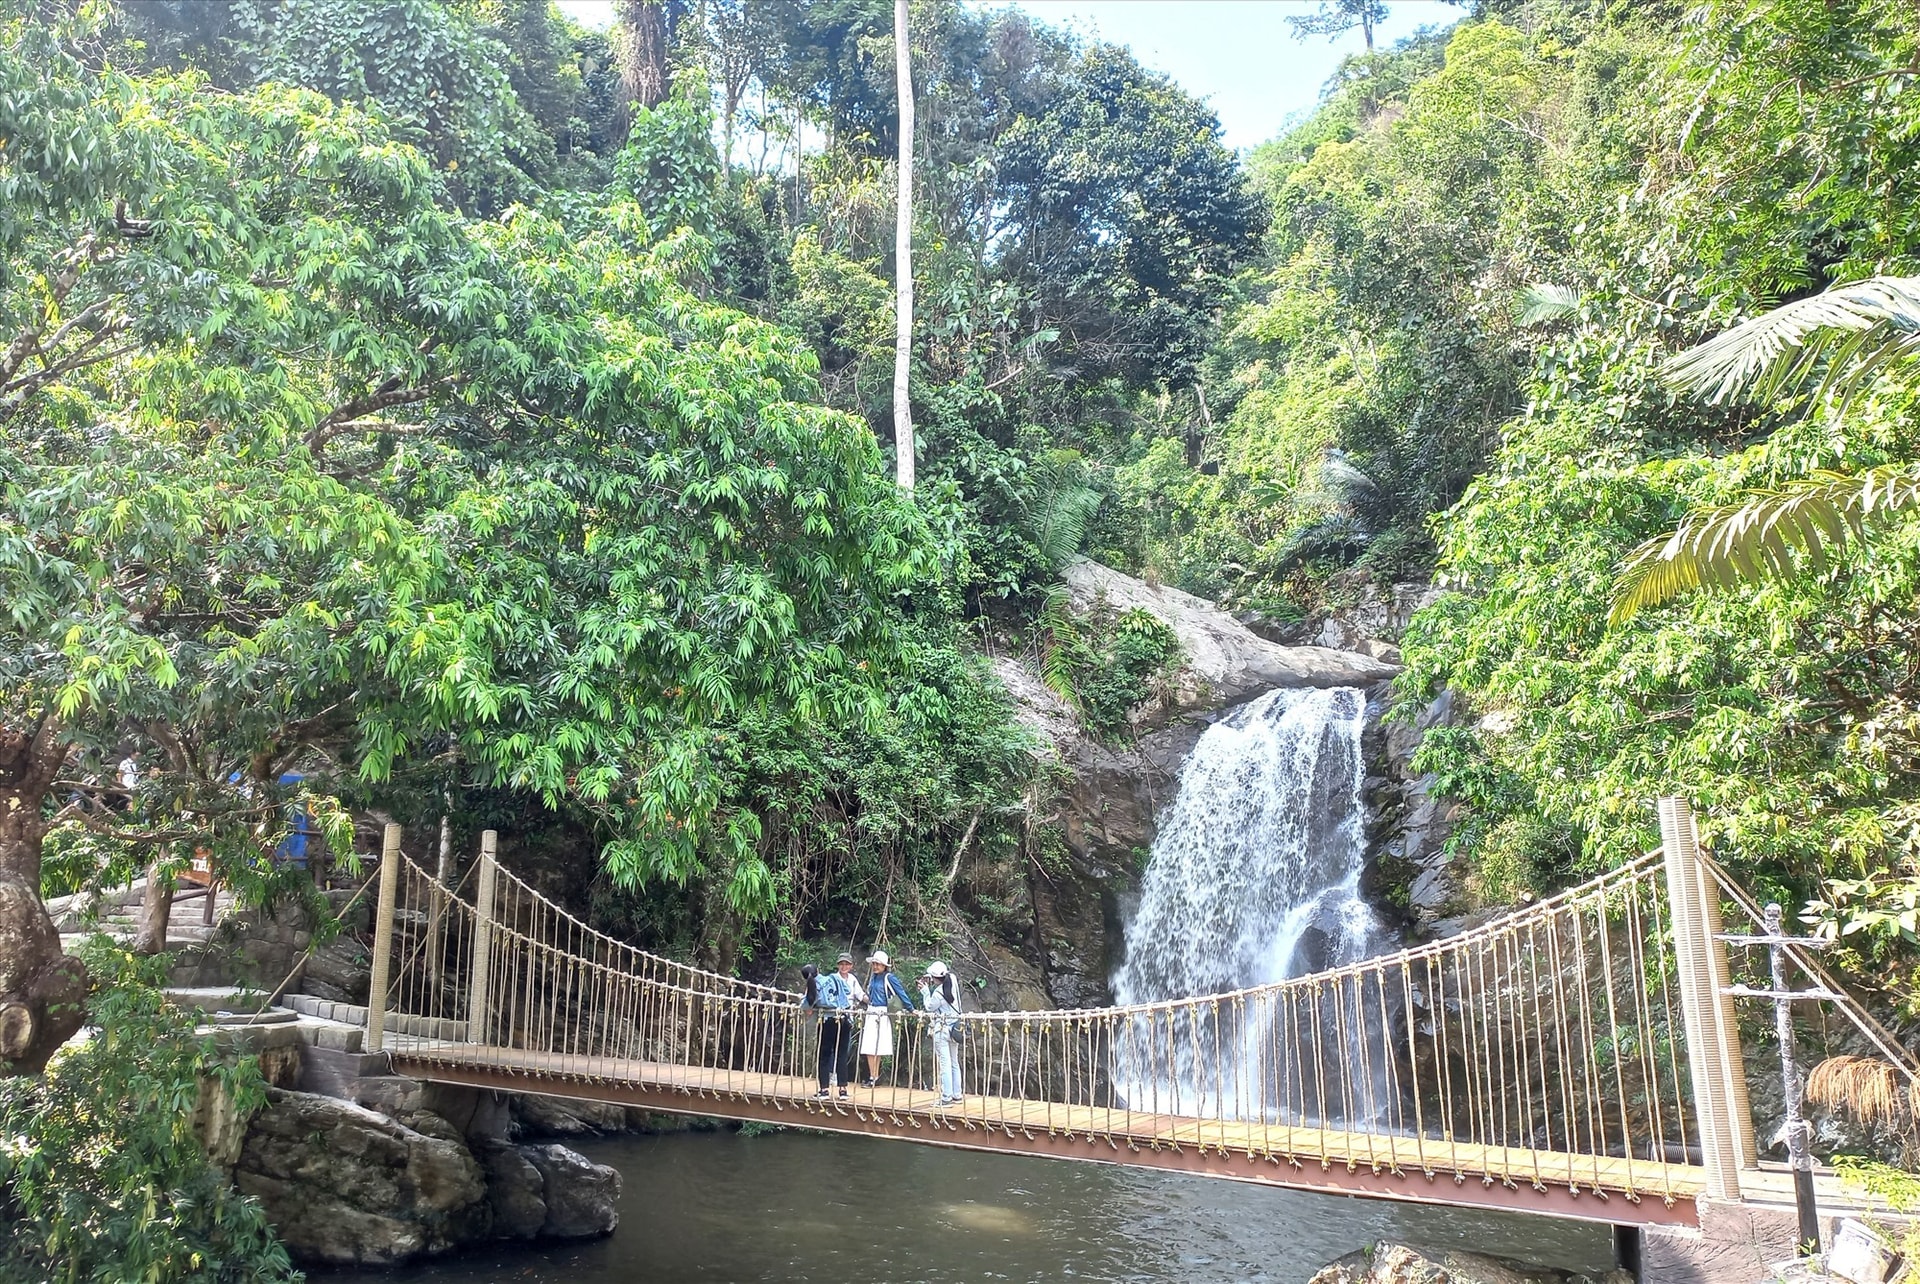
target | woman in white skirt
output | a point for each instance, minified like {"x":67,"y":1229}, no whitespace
{"x":876,"y":1028}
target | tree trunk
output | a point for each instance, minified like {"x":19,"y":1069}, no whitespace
{"x":42,"y":992}
{"x":156,"y":912}
{"x":903,"y":255}
{"x":640,"y":43}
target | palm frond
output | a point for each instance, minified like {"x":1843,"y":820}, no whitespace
{"x":1852,"y":332}
{"x":1541,"y":303}
{"x":1771,"y":534}
{"x":1060,"y":505}
{"x":1060,"y":638}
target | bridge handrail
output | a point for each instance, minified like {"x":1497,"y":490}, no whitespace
{"x":758,"y":995}
{"x":661,"y":961}
{"x":1489,"y":1049}
{"x":1862,"y":1020}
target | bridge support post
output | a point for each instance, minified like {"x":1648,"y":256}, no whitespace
{"x":1713,"y":1040}
{"x":479,"y":993}
{"x":383,"y":940}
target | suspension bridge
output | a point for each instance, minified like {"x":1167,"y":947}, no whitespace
{"x":1580,"y":1057}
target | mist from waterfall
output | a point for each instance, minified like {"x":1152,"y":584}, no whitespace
{"x":1254,"y":878}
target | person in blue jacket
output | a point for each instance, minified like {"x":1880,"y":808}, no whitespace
{"x":833,"y":996}
{"x":876,"y":1031}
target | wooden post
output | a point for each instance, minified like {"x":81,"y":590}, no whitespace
{"x":1733,"y":1066}
{"x":383,"y":940}
{"x":1713,"y":1049}
{"x":443,"y":874}
{"x":478,"y":996}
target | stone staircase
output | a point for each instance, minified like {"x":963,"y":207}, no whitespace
{"x":116,"y":912}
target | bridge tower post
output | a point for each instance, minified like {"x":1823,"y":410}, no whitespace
{"x":383,"y":939}
{"x":1713,"y":1039}
{"x":479,"y":991}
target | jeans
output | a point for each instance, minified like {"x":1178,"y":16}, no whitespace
{"x":948,"y":1058}
{"x":836,"y":1045}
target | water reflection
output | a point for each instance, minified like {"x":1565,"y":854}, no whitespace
{"x":821,"y":1209}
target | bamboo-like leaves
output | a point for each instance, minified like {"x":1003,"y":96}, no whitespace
{"x":1771,"y":534}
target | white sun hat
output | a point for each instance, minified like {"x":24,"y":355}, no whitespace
{"x":936,"y":970}
{"x":880,"y":957}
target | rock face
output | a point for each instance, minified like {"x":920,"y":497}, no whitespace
{"x":1399,"y":1264}
{"x":1225,"y":661}
{"x":343,"y":1184}
{"x":260,"y":947}
{"x":1409,"y":824}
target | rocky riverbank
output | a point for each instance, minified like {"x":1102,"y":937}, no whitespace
{"x":1401,"y":1264}
{"x":346,"y":1184}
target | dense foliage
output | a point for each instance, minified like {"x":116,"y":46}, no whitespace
{"x":102,"y":1173}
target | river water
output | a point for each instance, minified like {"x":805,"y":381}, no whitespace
{"x":811,"y":1208}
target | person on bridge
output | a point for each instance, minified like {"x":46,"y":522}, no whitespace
{"x":833,"y":998}
{"x":937,"y":997}
{"x":876,"y":1032}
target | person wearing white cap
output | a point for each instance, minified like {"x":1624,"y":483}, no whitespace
{"x":937,"y":997}
{"x":876,"y":1032}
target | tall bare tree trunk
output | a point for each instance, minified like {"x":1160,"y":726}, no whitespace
{"x":640,"y":44}
{"x":903,"y":254}
{"x":43,"y":993}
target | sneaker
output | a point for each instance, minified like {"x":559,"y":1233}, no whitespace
{"x":823,"y":1094}
{"x":944,"y":1101}
{"x":869,"y":1083}
{"x":843,"y":1094}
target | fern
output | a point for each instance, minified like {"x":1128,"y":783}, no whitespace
{"x":1846,"y":336}
{"x":1543,"y":304}
{"x":1855,"y":330}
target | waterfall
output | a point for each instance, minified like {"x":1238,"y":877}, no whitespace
{"x":1255,"y":877}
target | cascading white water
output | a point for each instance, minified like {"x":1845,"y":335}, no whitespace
{"x":1254,"y":877}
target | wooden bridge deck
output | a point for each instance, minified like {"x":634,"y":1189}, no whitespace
{"x":1367,"y":1164}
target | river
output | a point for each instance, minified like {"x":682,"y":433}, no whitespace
{"x":811,"y":1208}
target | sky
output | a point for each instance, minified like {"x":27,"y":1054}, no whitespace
{"x":1239,"y":55}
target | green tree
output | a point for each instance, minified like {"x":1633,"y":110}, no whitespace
{"x":101,"y":1173}
{"x":300,"y":467}
{"x":1335,"y":18}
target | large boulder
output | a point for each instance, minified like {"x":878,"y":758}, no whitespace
{"x":538,"y":1117}
{"x":582,"y":1197}
{"x":1399,"y":1264}
{"x":345,"y":1185}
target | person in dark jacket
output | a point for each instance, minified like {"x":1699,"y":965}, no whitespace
{"x":876,"y":1029}
{"x":833,"y":997}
